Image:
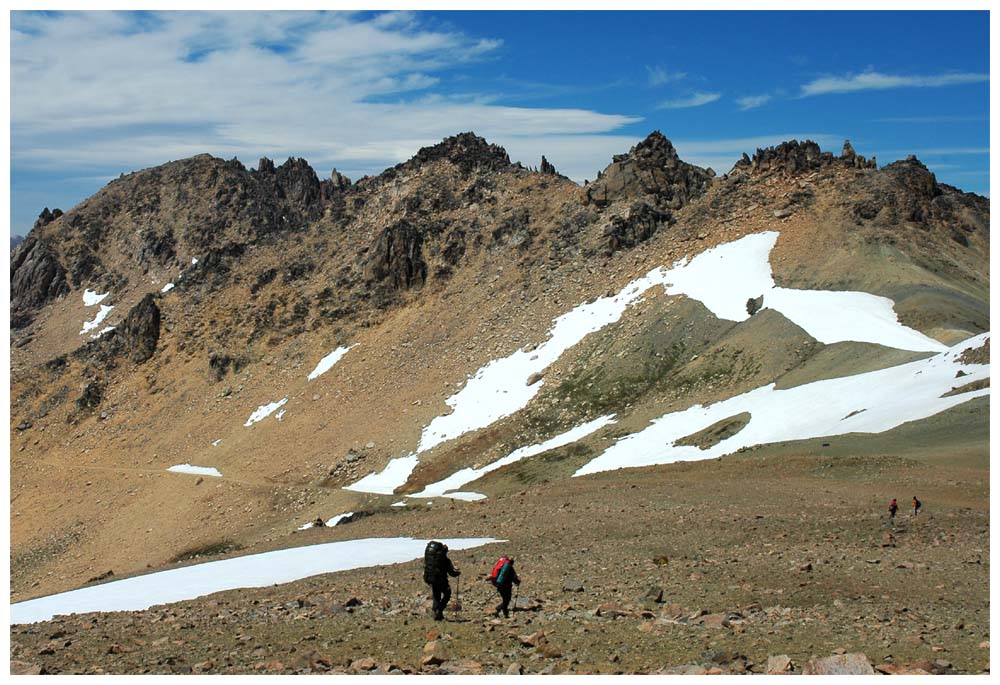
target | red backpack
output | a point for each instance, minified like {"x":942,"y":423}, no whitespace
{"x":496,"y":569}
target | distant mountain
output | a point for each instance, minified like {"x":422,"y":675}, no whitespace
{"x":15,"y":240}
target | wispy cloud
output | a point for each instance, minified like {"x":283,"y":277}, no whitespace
{"x":873,"y":80}
{"x":752,"y":101}
{"x":101,"y":91}
{"x":658,"y":75}
{"x":693,"y":100}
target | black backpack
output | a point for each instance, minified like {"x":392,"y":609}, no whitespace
{"x":434,"y":555}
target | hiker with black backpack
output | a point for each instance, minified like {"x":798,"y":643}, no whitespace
{"x":437,"y":568}
{"x":504,"y":578}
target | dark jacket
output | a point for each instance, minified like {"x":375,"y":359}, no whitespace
{"x":507,"y":575}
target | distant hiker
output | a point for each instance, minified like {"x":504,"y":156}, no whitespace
{"x":893,"y":508}
{"x":437,"y":568}
{"x":916,"y":505}
{"x":504,"y":578}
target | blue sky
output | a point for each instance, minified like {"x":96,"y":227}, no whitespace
{"x":94,"y":94}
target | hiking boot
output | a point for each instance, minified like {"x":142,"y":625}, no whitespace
{"x":438,"y":616}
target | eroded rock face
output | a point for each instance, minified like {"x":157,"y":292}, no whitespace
{"x":36,"y":277}
{"x":140,"y":330}
{"x":650,"y":168}
{"x":637,"y":227}
{"x":792,"y":157}
{"x":397,"y":257}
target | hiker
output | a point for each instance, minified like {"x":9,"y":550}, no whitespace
{"x":437,"y":568}
{"x":504,"y":578}
{"x":916,"y":505}
{"x":893,"y":508}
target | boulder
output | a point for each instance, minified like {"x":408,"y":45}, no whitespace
{"x":572,"y":585}
{"x":839,"y":664}
{"x":780,"y":663}
{"x":754,"y":304}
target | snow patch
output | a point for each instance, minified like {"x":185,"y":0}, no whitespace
{"x":167,"y":288}
{"x":399,"y":504}
{"x":256,"y":570}
{"x":196,"y":470}
{"x":327,"y":362}
{"x":90,"y":297}
{"x":722,"y":278}
{"x":871,"y":402}
{"x":215,"y":443}
{"x":386,"y":481}
{"x":338,"y":518}
{"x":194,"y":260}
{"x":280,"y":414}
{"x":98,"y":334}
{"x":265,"y":410}
{"x":467,"y":475}
{"x":101,"y":315}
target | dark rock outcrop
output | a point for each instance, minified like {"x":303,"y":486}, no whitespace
{"x":36,"y":277}
{"x":397,"y":257}
{"x":754,"y":304}
{"x":637,"y":227}
{"x":546,"y":167}
{"x":92,"y":395}
{"x":651,"y":168}
{"x":140,"y":331}
{"x":792,"y":157}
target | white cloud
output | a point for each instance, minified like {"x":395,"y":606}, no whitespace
{"x":873,"y":80}
{"x":658,"y":75}
{"x":93,"y":91}
{"x":693,"y":100}
{"x":751,"y":101}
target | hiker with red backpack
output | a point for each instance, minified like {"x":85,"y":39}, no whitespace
{"x":504,"y":578}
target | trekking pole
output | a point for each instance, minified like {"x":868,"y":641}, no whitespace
{"x":458,"y":594}
{"x":517,"y":591}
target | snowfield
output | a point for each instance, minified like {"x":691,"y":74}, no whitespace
{"x":327,"y":362}
{"x":265,"y":410}
{"x":255,"y":570}
{"x":871,"y":402}
{"x":90,"y":297}
{"x":101,"y":315}
{"x":722,"y":278}
{"x":196,"y":470}
{"x":467,"y":475}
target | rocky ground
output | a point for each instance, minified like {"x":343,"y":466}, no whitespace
{"x":753,"y":563}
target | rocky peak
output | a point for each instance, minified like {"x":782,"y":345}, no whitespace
{"x":47,"y":217}
{"x":651,"y":168}
{"x":467,"y":151}
{"x":338,"y":181}
{"x":546,"y":167}
{"x":792,"y":157}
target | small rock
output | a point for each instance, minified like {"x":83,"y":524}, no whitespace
{"x":782,"y":213}
{"x":25,"y":668}
{"x":534,"y":378}
{"x":841,"y":664}
{"x":515,"y":669}
{"x":572,"y":586}
{"x":364,"y":664}
{"x":780,"y":663}
{"x":434,"y":653}
{"x":203,"y":666}
{"x":653,"y":594}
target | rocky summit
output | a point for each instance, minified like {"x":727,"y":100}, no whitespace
{"x":681,"y":399}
